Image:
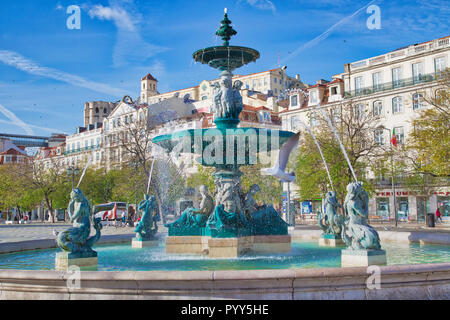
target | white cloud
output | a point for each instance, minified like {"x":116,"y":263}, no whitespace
{"x":15,"y":120}
{"x":130,"y":46}
{"x":325,"y":34}
{"x":118,"y":15}
{"x":262,"y":4}
{"x":16,"y":60}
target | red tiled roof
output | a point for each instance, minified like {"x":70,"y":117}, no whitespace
{"x":149,"y":77}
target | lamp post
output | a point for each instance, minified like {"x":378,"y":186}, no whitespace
{"x":73,"y":171}
{"x":392,"y":173}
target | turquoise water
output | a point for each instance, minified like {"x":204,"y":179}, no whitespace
{"x":303,"y":255}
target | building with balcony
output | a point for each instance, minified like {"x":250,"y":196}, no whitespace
{"x":393,"y":87}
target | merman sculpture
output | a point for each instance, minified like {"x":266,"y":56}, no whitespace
{"x":147,"y":226}
{"x":331,"y":222}
{"x":356,"y":232}
{"x":196,"y":218}
{"x":76,"y":240}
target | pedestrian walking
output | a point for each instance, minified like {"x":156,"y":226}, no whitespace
{"x":438,"y":216}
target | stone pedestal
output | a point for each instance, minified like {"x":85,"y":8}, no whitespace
{"x":271,"y":244}
{"x":362,"y":258}
{"x":64,"y":260}
{"x":229,"y":247}
{"x":144,"y":243}
{"x":187,"y":244}
{"x":327,"y":240}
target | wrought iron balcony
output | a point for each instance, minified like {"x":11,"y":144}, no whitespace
{"x":424,"y":78}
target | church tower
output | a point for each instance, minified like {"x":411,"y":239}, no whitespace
{"x":149,"y":87}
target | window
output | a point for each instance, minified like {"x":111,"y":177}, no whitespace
{"x":399,"y":135}
{"x":313,"y":120}
{"x":295,"y":123}
{"x":143,"y":86}
{"x":265,"y":81}
{"x":274,"y":80}
{"x":86,"y":144}
{"x":294,"y":101}
{"x":439,"y":64}
{"x":333,"y":90}
{"x":104,"y":110}
{"x":96,"y":110}
{"x":417,"y":71}
{"x":397,"y":105}
{"x":98,"y":142}
{"x":313,"y":97}
{"x":376,"y":79}
{"x":276,"y":91}
{"x":359,"y":111}
{"x":336,"y":115}
{"x":377,"y":108}
{"x":379,"y":137}
{"x":78,"y":146}
{"x":204,"y":97}
{"x":359,"y":83}
{"x":118,"y":122}
{"x":417,"y":101}
{"x":396,"y":77}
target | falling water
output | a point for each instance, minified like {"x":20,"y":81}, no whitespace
{"x":150,"y":175}
{"x":320,"y":150}
{"x":85,"y":167}
{"x":339,"y":140}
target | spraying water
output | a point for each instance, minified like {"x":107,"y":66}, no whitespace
{"x":320,"y":150}
{"x":150,"y":175}
{"x":339,"y":140}
{"x":85,"y":168}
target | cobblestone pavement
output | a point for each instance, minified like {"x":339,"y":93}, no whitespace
{"x":37,"y":231}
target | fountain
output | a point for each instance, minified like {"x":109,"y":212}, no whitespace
{"x":233,"y":224}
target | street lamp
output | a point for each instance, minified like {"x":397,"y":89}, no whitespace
{"x":72,"y":171}
{"x":392,"y":172}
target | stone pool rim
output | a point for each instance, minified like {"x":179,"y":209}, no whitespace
{"x":421,"y":281}
{"x":413,"y":281}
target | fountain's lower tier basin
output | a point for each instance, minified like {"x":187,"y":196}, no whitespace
{"x":228,"y":247}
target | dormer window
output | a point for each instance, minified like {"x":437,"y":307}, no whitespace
{"x":294,"y":101}
{"x":333,"y":90}
{"x":313,"y":97}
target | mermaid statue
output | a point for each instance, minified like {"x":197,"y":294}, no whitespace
{"x":356,"y":232}
{"x":76,"y":240}
{"x":147,"y":227}
{"x":193,"y":217}
{"x":331,"y":222}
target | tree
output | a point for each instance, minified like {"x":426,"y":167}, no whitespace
{"x":46,"y":179}
{"x":167,"y":179}
{"x":428,"y":146}
{"x":355,"y":125}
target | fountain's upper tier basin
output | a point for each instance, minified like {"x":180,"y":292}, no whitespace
{"x":226,"y":57}
{"x":238,"y":146}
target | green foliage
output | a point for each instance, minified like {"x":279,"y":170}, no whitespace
{"x":202,"y":176}
{"x":310,"y":172}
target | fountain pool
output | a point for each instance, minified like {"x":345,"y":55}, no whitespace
{"x":304,"y":254}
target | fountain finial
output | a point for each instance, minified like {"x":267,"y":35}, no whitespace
{"x":226,"y":31}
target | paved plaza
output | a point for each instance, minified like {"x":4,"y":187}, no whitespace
{"x":39,"y":231}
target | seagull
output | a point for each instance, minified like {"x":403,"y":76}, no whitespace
{"x":278,"y":171}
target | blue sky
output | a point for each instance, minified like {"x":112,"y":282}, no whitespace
{"x":47,"y":71}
